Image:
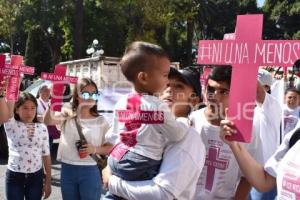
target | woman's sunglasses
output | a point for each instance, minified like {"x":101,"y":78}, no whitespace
{"x":86,"y":96}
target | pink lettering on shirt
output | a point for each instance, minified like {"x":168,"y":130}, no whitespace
{"x":144,"y":117}
{"x":291,"y":183}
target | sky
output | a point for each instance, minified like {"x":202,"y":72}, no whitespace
{"x":260,"y":3}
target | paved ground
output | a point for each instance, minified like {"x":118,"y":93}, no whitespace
{"x":55,"y":195}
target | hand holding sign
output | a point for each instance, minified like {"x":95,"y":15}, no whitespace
{"x":59,"y":79}
{"x":245,"y":52}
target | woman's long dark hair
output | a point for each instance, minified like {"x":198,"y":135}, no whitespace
{"x":80,"y":86}
{"x":25,"y":96}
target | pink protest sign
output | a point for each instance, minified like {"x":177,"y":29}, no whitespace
{"x":14,"y":70}
{"x":245,"y":52}
{"x":59,"y":79}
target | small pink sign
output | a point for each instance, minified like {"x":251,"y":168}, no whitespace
{"x":14,"y":70}
{"x":245,"y":51}
{"x":58,"y":79}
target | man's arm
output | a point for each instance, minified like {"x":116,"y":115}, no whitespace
{"x":135,"y":190}
{"x":242,"y":190}
{"x":260,"y":94}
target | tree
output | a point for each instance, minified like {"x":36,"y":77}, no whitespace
{"x":282,"y":19}
{"x":9,"y":12}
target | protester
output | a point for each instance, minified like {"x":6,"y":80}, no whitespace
{"x":267,"y":123}
{"x":282,"y":168}
{"x":43,"y":100}
{"x":182,"y":161}
{"x":80,"y":177}
{"x":29,"y":165}
{"x":291,"y":110}
{"x":142,"y":123}
{"x":220,"y":177}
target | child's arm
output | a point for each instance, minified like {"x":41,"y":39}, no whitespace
{"x":47,"y":180}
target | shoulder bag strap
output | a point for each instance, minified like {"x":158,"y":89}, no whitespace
{"x":79,"y":129}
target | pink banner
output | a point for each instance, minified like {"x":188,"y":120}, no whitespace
{"x":245,"y":52}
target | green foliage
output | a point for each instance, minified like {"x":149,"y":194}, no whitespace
{"x":48,"y":27}
{"x":282,"y":18}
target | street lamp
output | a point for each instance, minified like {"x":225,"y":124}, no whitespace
{"x":95,"y":49}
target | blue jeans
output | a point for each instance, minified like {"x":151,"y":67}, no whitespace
{"x":134,"y":167}
{"x":20,"y":185}
{"x":255,"y":195}
{"x":80,"y":182}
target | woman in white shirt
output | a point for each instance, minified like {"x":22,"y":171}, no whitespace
{"x":80,"y":177}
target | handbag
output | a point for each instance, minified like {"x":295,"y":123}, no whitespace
{"x":101,"y":160}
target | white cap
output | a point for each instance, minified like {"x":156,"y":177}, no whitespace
{"x":265,"y":77}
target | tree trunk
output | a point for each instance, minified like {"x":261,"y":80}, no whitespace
{"x":78,"y":29}
{"x":189,"y":41}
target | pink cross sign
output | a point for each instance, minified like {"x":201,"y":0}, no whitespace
{"x":213,"y":162}
{"x":245,"y":51}
{"x":58,"y":79}
{"x":14,"y":70}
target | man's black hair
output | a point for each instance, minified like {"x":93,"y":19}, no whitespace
{"x":221,"y":74}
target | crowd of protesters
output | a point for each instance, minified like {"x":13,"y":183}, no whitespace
{"x":168,"y":139}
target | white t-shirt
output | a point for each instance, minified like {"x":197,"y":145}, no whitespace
{"x":290,"y":118}
{"x":94,"y":131}
{"x":181,"y":166}
{"x":266,"y":123}
{"x":25,"y":153}
{"x":42,"y":106}
{"x":157,"y":125}
{"x":220,"y":175}
{"x":284,"y":165}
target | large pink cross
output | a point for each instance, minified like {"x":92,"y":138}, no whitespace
{"x":245,"y":52}
{"x":14,"y":70}
{"x":213,"y":162}
{"x":59,"y":79}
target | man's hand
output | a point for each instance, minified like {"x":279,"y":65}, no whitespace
{"x":106,"y":174}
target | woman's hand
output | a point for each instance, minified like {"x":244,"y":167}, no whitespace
{"x":90,"y":149}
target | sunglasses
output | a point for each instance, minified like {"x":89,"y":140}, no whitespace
{"x":86,"y":96}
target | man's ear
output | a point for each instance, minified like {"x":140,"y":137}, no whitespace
{"x":194,"y":100}
{"x":142,"y":78}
